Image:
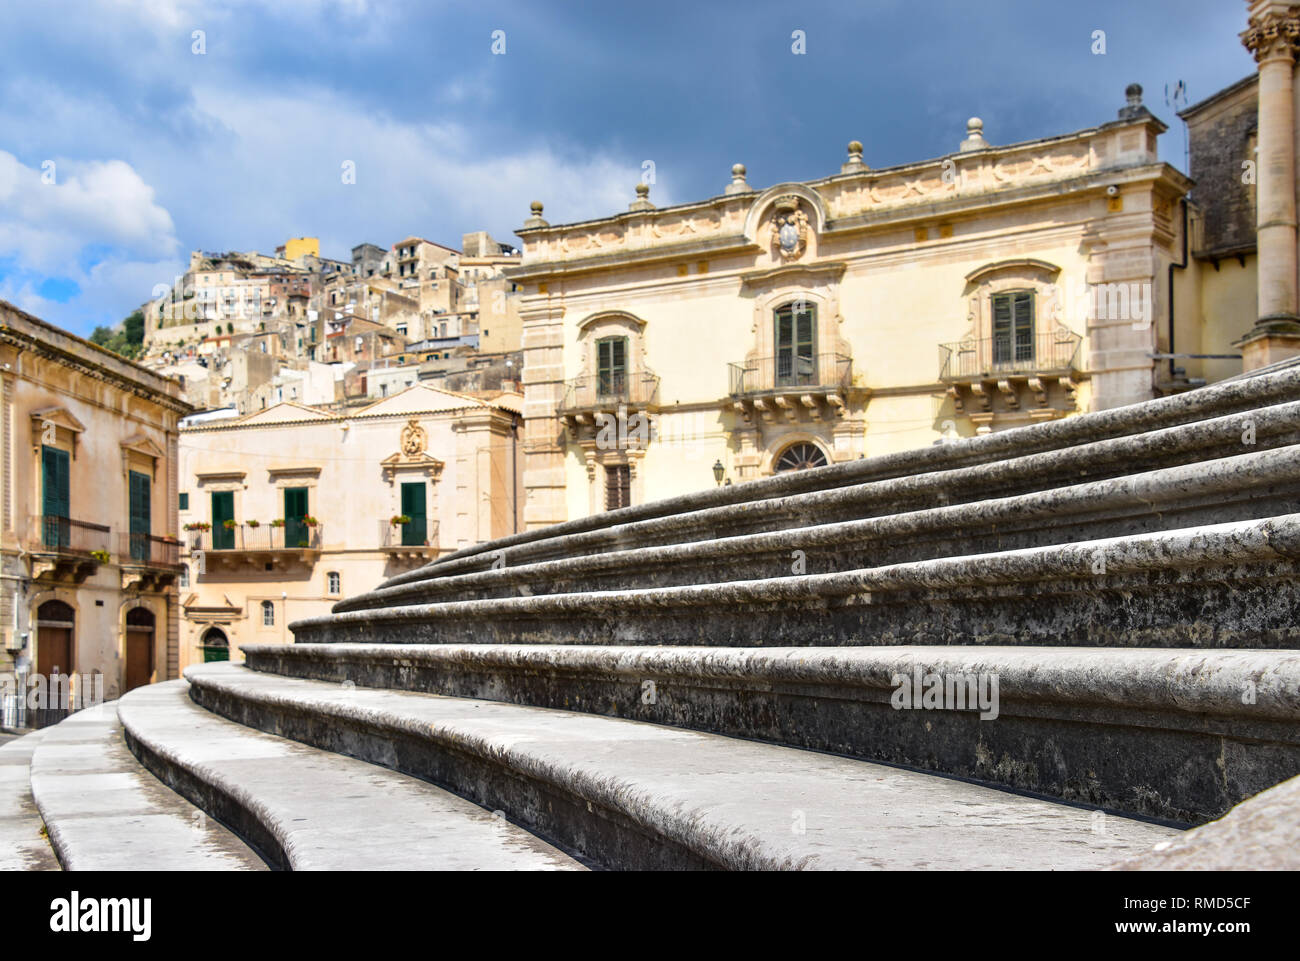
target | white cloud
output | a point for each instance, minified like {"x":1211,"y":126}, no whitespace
{"x":97,"y":224}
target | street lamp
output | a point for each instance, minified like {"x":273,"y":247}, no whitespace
{"x":718,"y":471}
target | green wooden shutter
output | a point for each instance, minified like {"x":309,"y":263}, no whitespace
{"x":56,"y":497}
{"x":414,"y":533}
{"x":295,"y":509}
{"x":140,"y":516}
{"x":611,"y":367}
{"x":796,"y":346}
{"x":223,"y":509}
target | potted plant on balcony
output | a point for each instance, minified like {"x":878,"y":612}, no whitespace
{"x":309,"y":520}
{"x":229,"y":523}
{"x":198,"y":526}
{"x":398,"y":520}
{"x":278,"y":522}
{"x":102,"y":556}
{"x":253,"y":524}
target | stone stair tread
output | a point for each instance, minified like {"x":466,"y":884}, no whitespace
{"x":322,"y":808}
{"x":1275,"y":385}
{"x":105,"y":812}
{"x":1242,"y":476}
{"x":736,"y":802}
{"x":22,"y":845}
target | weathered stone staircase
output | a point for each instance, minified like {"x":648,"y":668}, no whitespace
{"x":716,"y":680}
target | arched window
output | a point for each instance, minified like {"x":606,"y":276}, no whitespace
{"x":800,"y":456}
{"x":268,"y":614}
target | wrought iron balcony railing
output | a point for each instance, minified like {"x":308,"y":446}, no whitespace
{"x":634,"y":388}
{"x":417,"y":533}
{"x":293,"y":535}
{"x":792,"y":372}
{"x":1046,"y":351}
{"x":66,"y":535}
{"x":149,"y":551}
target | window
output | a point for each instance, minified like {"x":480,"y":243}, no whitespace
{"x":618,"y":486}
{"x":611,"y":367}
{"x":140,"y":515}
{"x":56,"y":497}
{"x":415,"y":531}
{"x":332,"y":579}
{"x":268,"y":614}
{"x":223,"y":509}
{"x":800,"y":456}
{"x":796,"y":346}
{"x":1013,"y":327}
{"x":184,"y":503}
{"x":296,"y":532}
{"x":185,"y":576}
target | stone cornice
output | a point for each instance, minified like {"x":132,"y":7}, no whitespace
{"x":29,"y":343}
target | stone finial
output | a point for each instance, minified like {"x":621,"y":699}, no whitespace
{"x":642,"y":201}
{"x":854,"y":162}
{"x":974,"y":135}
{"x":738,"y":183}
{"x":1133,"y":108}
{"x":536,"y":219}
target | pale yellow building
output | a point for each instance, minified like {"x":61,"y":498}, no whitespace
{"x":865,"y":312}
{"x":90,"y":548}
{"x":311,"y":498}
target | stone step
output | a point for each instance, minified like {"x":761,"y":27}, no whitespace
{"x":1202,"y":441}
{"x":1175,"y":734}
{"x":1244,"y":487}
{"x":1262,"y":834}
{"x":1217,"y":586}
{"x":105,"y":812}
{"x":633,"y":795}
{"x":23,"y":845}
{"x":308,"y":809}
{"x":1222,"y":400}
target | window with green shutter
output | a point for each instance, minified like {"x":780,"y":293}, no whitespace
{"x":223,"y":509}
{"x":611,"y":367}
{"x":56,"y":498}
{"x":1013,"y":327}
{"x":295,"y":509}
{"x":415,"y":531}
{"x":796,"y":346}
{"x":140,"y":515}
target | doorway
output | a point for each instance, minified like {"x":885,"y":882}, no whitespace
{"x":139,"y":648}
{"x":55,"y":623}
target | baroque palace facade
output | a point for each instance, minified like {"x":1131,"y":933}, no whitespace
{"x":867,"y":312}
{"x":90,"y":552}
{"x":288,"y":510}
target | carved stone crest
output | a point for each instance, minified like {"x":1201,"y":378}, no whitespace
{"x":789,"y":229}
{"x":414,"y":439}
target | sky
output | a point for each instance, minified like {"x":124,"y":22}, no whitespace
{"x":135,"y":131}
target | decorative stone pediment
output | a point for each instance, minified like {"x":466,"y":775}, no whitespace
{"x":48,"y":421}
{"x":422,"y":462}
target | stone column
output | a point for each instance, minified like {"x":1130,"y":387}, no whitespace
{"x":1272,"y":36}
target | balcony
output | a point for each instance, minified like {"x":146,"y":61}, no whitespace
{"x":148,"y":562}
{"x":66,"y":548}
{"x":1030,"y":376}
{"x":612,"y":393}
{"x":269,"y":547}
{"x":416,"y":540}
{"x":787,"y":384}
